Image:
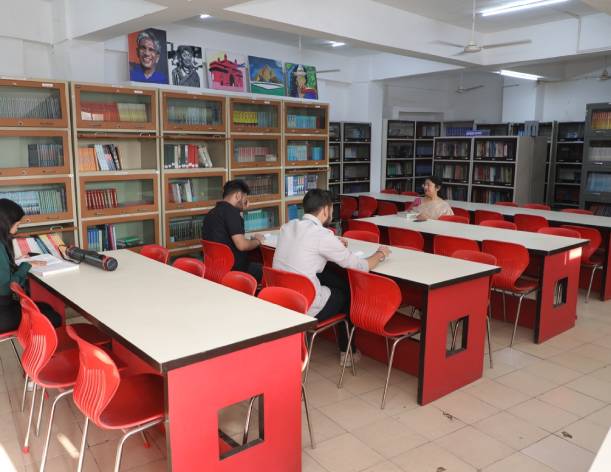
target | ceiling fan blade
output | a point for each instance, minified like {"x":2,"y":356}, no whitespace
{"x":503,"y":45}
{"x":328,"y":71}
{"x":468,"y":89}
{"x":447,"y":43}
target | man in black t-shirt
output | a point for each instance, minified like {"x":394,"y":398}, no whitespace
{"x":224,"y":224}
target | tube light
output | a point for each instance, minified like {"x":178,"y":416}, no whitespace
{"x":336,"y":44}
{"x":519,"y":75}
{"x":203,"y":16}
{"x":518,"y":6}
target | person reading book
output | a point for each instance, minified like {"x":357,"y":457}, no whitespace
{"x":432,"y":206}
{"x":224,"y":224}
{"x":11,"y":215}
{"x":305,"y":246}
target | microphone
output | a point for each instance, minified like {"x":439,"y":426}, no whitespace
{"x":92,"y":258}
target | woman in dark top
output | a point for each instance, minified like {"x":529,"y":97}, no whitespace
{"x":10,"y":310}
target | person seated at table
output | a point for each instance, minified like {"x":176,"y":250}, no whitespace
{"x":224,"y":224}
{"x":432,"y":206}
{"x":11,"y":215}
{"x":306,"y":245}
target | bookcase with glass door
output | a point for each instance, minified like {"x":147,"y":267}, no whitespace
{"x":596,"y":175}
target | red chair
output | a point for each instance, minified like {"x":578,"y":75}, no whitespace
{"x":190,"y":265}
{"x":532,"y":223}
{"x":267,"y":255}
{"x":374,"y":303}
{"x":410,"y":194}
{"x":589,"y":257}
{"x":556,"y":231}
{"x":356,"y":225}
{"x":387,"y":208}
{"x":405,"y":238}
{"x":362,"y":236}
{"x":513,"y":259}
{"x":367,"y":206}
{"x":155,"y":252}
{"x":347,"y":208}
{"x":462,"y":212}
{"x":240,"y":281}
{"x":507,"y":204}
{"x":578,"y":211}
{"x":502,"y":224}
{"x":131,"y":404}
{"x":218,"y":259}
{"x":448,"y":245}
{"x":392,"y":191}
{"x":483,"y":215}
{"x":482,"y":258}
{"x":537,"y":206}
{"x":454,"y":219}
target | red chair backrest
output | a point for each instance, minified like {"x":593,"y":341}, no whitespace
{"x":405,"y":237}
{"x":390,"y":190}
{"x":155,"y":252}
{"x":347,"y":207}
{"x":240,"y":281}
{"x":587,"y":233}
{"x":190,"y":265}
{"x":448,"y":245}
{"x":410,"y":194}
{"x":267,"y":255}
{"x":97,"y":380}
{"x":355,"y":225}
{"x":374,"y":300}
{"x":537,"y":206}
{"x":555,"y":231}
{"x":462,"y":212}
{"x":25,"y":325}
{"x":362,"y":236}
{"x":476,"y":256}
{"x":367,"y":206}
{"x":507,"y":204}
{"x":579,"y":211}
{"x":483,"y":215}
{"x":42,"y":342}
{"x":218,"y":259}
{"x":387,"y":208}
{"x":503,"y":224}
{"x":532,"y":223}
{"x":512,"y":258}
{"x":297,"y":282}
{"x":454,"y":219}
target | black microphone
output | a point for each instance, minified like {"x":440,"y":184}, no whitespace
{"x":92,"y":258}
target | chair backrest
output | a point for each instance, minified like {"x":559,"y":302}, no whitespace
{"x":155,"y":252}
{"x":190,"y":265}
{"x":297,"y":282}
{"x":27,"y":305}
{"x":267,"y":255}
{"x":476,"y":256}
{"x":362,"y":236}
{"x":405,"y":237}
{"x":483,"y":215}
{"x":240,"y":281}
{"x":537,"y":206}
{"x":97,"y":380}
{"x":503,"y":224}
{"x":410,"y":194}
{"x":448,"y":245}
{"x":462,"y":212}
{"x":532,"y":223}
{"x":387,"y":208}
{"x":367,"y":206}
{"x":218,"y":259}
{"x":356,"y":225}
{"x":390,"y":190}
{"x":579,"y":211}
{"x":587,"y":233}
{"x":347,"y":207}
{"x":512,"y":258}
{"x":374,"y":300}
{"x":556,"y":231}
{"x":41,"y":344}
{"x":507,"y":204}
{"x":454,"y":219}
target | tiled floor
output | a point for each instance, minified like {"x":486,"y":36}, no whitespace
{"x":543,"y":408}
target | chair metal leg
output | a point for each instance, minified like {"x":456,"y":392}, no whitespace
{"x":310,"y":349}
{"x":590,"y":284}
{"x":26,"y":442}
{"x":25,"y":389}
{"x":16,"y":352}
{"x":128,"y":435}
{"x":515,"y":325}
{"x":349,"y":348}
{"x":307,"y":411}
{"x":489,"y":343}
{"x":42,"y":402}
{"x":387,"y":350}
{"x":247,"y":424}
{"x":81,"y":456}
{"x":341,"y":377}
{"x":392,"y":357}
{"x":454,"y":333}
{"x":146,"y":442}
{"x":504,"y":308}
{"x":47,"y":439}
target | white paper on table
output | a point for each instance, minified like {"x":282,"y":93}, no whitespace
{"x":270,"y":239}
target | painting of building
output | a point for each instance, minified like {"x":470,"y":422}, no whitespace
{"x":226,"y":71}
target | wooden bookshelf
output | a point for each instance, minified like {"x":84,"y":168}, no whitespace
{"x":248,"y":151}
{"x":262,"y":217}
{"x":183,"y":229}
{"x":293,"y":210}
{"x":596,"y":174}
{"x":119,"y":232}
{"x":265,"y":184}
{"x":33,"y":103}
{"x":493,"y":129}
{"x":298,"y":181}
{"x":192,"y":112}
{"x":306,"y":151}
{"x":192,"y":189}
{"x":306,"y":118}
{"x":255,"y":115}
{"x":34,"y":152}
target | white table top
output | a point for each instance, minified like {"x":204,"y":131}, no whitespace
{"x":602,"y":461}
{"x":534,"y":242}
{"x":170,"y":317}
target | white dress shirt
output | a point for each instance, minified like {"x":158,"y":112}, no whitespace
{"x":305,"y":246}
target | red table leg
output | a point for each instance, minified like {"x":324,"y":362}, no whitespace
{"x":605,"y":280}
{"x":196,"y":393}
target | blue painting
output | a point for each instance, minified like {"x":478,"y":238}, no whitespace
{"x":266,"y":76}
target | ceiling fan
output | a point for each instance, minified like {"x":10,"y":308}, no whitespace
{"x":326,"y":71}
{"x":462,"y":89}
{"x":472,"y":46}
{"x":603,"y":76}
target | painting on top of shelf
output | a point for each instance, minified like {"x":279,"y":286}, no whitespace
{"x":186,"y":65}
{"x":301,"y":81}
{"x":226,"y":71}
{"x":147,"y":56}
{"x":266,"y":76}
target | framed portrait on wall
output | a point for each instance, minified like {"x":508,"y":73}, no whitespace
{"x":147,"y":56}
{"x":186,"y":65}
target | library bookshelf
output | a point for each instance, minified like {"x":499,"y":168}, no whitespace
{"x":36,"y":168}
{"x":596,"y":175}
{"x":335,"y":164}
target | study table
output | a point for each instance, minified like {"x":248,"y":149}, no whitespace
{"x":452,"y":289}
{"x":214,"y":347}
{"x":602,"y":280}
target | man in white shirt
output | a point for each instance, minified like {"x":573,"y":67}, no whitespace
{"x":306,"y":245}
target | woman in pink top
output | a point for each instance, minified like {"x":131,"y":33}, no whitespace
{"x":432,"y":206}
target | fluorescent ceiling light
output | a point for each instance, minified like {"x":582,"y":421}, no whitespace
{"x":203,"y":16}
{"x":519,"y":5}
{"x":519,"y":75}
{"x":336,"y":44}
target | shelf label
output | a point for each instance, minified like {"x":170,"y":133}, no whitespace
{"x":140,"y":92}
{"x":44,"y":84}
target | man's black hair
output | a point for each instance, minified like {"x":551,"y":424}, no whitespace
{"x":233,"y":186}
{"x":315,"y":200}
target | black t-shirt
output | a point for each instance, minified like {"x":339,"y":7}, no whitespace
{"x":220,"y":224}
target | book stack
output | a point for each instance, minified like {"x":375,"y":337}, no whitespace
{"x":452,"y":150}
{"x":395,"y":169}
{"x":254,"y":154}
{"x":260,"y":184}
{"x":454,"y":193}
{"x":424,"y":150}
{"x":501,"y":150}
{"x":186,"y":156}
{"x":601,"y":120}
{"x":30,"y":107}
{"x":257,"y":220}
{"x":186,"y":229}
{"x":299,"y":152}
{"x":599,"y":182}
{"x":452,"y":172}
{"x":40,"y":200}
{"x":300,"y":184}
{"x":194,"y":115}
{"x":295,"y":211}
{"x":600,"y":153}
{"x":496,"y":175}
{"x":195,"y":190}
{"x":41,"y":244}
{"x":423,"y":169}
{"x":101,"y":199}
{"x":303,"y":122}
{"x":104,"y":238}
{"x":255,"y":119}
{"x":116,"y":111}
{"x":99,"y":157}
{"x":45,"y":155}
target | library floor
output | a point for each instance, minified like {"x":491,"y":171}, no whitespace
{"x":542,"y":408}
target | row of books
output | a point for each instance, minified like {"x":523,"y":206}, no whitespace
{"x":40,"y":200}
{"x":356,"y":172}
{"x":300,"y":184}
{"x":100,"y":199}
{"x":601,"y":120}
{"x":457,"y":131}
{"x":599,"y":182}
{"x":570,"y":175}
{"x":398,"y":169}
{"x":400,"y":150}
{"x":357,"y":132}
{"x":41,"y":244}
{"x":45,"y":155}
{"x":305,"y":152}
{"x":502,"y":175}
{"x":254,"y":154}
{"x":452,"y":172}
{"x":424,"y":149}
{"x":97,"y":157}
{"x":450,"y":192}
{"x":400,"y":130}
{"x":193,"y":190}
{"x":305,"y":122}
{"x":203,"y":114}
{"x":569,"y":153}
{"x":356,"y":152}
{"x":295,"y":211}
{"x":186,"y":229}
{"x":115,"y":111}
{"x":104,"y":238}
{"x":452,"y":149}
{"x":490,"y":196}
{"x":260,"y":219}
{"x":355,"y":187}
{"x":600,"y":153}
{"x":30,"y":107}
{"x":423,"y":169}
{"x":333,"y":153}
{"x":601,"y":209}
{"x":265,"y":184}
{"x":428,"y":131}
{"x":494,"y":150}
{"x":566,"y":195}
{"x":255,"y":119}
{"x":186,"y":156}
{"x":335,"y":174}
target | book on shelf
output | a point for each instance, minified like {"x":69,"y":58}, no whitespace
{"x":259,"y":219}
{"x":601,"y":120}
{"x":260,"y":184}
{"x":454,"y":193}
{"x":491,"y":196}
{"x":356,"y":152}
{"x":99,"y":157}
{"x":194,"y":115}
{"x":452,"y":172}
{"x":30,"y":106}
{"x":104,"y":238}
{"x":255,"y":119}
{"x":52,"y":265}
{"x":186,"y":156}
{"x":356,"y":172}
{"x":186,"y":229}
{"x":305,"y":152}
{"x":304,"y":121}
{"x":600,"y":153}
{"x":424,"y":149}
{"x":194,"y":190}
{"x":295,"y":211}
{"x":504,"y":150}
{"x":428,"y":131}
{"x":601,"y":209}
{"x":423,"y":169}
{"x":599,"y":182}
{"x":456,"y":150}
{"x":398,"y":169}
{"x":39,"y":200}
{"x":101,"y":199}
{"x":493,"y":174}
{"x":569,"y":175}
{"x":115,"y":111}
{"x":457,"y":131}
{"x":45,"y":155}
{"x":41,"y":244}
{"x":300,"y":184}
{"x":244,"y":153}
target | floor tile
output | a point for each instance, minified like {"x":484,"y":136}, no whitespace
{"x":134,"y":454}
{"x":398,"y":399}
{"x":475,"y":447}
{"x":593,"y":387}
{"x":325,"y":392}
{"x":344,"y":453}
{"x":511,"y":430}
{"x":560,"y":455}
{"x":384,"y":467}
{"x":543,"y":415}
{"x":389,"y":437}
{"x":430,"y":422}
{"x":518,"y":462}
{"x":323,"y":428}
{"x":572,"y":401}
{"x":594,"y":351}
{"x":431,"y":458}
{"x":499,"y":369}
{"x":603,"y":374}
{"x":353,"y":413}
{"x":601,"y":417}
{"x":308,"y":464}
{"x":585,"y":434}
{"x":526,"y":383}
{"x":465,"y":407}
{"x":542,"y":351}
{"x":576,"y":362}
{"x":514,"y":357}
{"x":497,"y":394}
{"x":363,"y":382}
{"x":553,"y":372}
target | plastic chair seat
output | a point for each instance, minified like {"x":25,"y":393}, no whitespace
{"x":400,"y":325}
{"x":138,"y":400}
{"x":330,"y":321}
{"x":90,"y":333}
{"x":524,"y":285}
{"x":61,"y":370}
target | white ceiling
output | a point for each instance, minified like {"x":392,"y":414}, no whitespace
{"x":459,"y":12}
